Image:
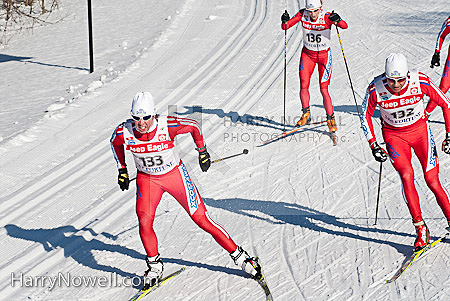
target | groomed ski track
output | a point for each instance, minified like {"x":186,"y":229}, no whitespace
{"x":304,"y":207}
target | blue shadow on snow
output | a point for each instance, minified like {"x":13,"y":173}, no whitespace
{"x":79,"y":249}
{"x":294,"y":214}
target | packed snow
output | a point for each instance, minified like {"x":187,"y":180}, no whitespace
{"x":305,"y":207}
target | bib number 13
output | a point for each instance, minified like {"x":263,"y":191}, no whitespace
{"x":152,"y":161}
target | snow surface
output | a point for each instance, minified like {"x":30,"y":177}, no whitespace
{"x":304,"y":207}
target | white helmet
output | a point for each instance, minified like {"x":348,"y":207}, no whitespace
{"x":396,"y":66}
{"x":313,"y":4}
{"x":143,"y":104}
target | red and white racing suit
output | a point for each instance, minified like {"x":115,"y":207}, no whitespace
{"x":404,"y":126}
{"x":316,"y":50}
{"x":159,"y":170}
{"x":445,"y":80}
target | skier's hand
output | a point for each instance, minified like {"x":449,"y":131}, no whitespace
{"x":446,"y":144}
{"x":334,"y":17}
{"x":123,"y":179}
{"x":378,"y":152}
{"x":285,"y":17}
{"x":435,"y":60}
{"x":204,"y":160}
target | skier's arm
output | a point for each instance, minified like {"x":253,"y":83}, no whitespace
{"x":117,"y":142}
{"x":341,"y":24}
{"x":177,"y":126}
{"x":367,"y":110}
{"x":437,"y":97}
{"x":294,"y":20}
{"x":430,"y":107}
{"x":445,"y":30}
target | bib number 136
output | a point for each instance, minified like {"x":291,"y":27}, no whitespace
{"x":314,"y":38}
{"x":152,"y":161}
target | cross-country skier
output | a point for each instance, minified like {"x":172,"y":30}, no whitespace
{"x":399,"y":95}
{"x":435,"y":61}
{"x":150,"y":138}
{"x":316,"y":25}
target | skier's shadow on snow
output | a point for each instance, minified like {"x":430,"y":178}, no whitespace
{"x":80,"y":249}
{"x":75,"y":246}
{"x":349,"y":109}
{"x":214,"y":268}
{"x":232,"y":118}
{"x":287,"y":213}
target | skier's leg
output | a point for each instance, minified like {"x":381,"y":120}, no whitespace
{"x":325,"y":67}
{"x":306,"y":69}
{"x":445,"y":80}
{"x":184,"y":191}
{"x":444,"y":85}
{"x":425,"y":149}
{"x":148,"y":196}
{"x":400,"y":154}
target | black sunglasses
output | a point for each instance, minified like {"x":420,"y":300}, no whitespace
{"x":137,"y":118}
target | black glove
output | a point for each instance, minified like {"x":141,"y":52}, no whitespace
{"x":123,"y":179}
{"x":204,"y":160}
{"x":378,"y":152}
{"x":334,"y":17}
{"x":285,"y":17}
{"x":435,"y":60}
{"x":446,"y":144}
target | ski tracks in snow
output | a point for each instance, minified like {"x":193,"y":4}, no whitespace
{"x":315,"y":239}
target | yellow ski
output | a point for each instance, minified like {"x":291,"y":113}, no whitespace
{"x":414,"y":257}
{"x":142,"y":293}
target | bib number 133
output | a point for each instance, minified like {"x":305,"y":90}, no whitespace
{"x":152,"y":161}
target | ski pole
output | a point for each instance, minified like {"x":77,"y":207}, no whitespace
{"x":348,"y":72}
{"x":245,"y":151}
{"x":284,"y":98}
{"x":378,"y":194}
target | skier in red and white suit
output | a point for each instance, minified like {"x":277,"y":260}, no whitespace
{"x":435,"y":61}
{"x":150,"y":138}
{"x":399,"y":95}
{"x":316,"y":25}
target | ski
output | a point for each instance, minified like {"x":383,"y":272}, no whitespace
{"x":287,"y":133}
{"x":263,"y":282}
{"x":415,"y":256}
{"x":142,"y":293}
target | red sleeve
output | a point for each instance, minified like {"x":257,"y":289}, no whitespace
{"x":117,"y":147}
{"x":178,"y":125}
{"x":436,"y":96}
{"x":445,"y":30}
{"x":294,"y":20}
{"x":367,"y":109}
{"x":341,"y":24}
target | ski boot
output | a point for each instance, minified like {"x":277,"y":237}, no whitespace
{"x":154,"y":272}
{"x":248,"y":264}
{"x":331,"y":122}
{"x":306,"y":117}
{"x":423,"y":235}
